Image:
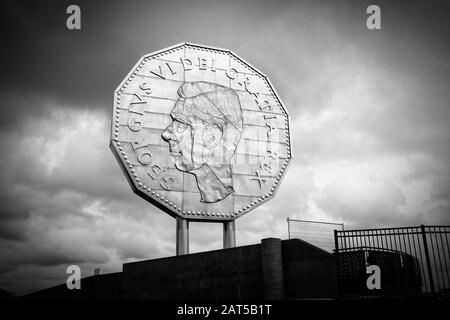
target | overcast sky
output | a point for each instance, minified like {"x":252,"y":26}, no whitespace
{"x":369,"y":116}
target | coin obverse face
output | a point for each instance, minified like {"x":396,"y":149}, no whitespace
{"x":200,"y":133}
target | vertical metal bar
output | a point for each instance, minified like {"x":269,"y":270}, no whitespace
{"x":446,"y":279}
{"x":437,"y":253}
{"x":405,"y":250}
{"x":390,"y":240}
{"x":182,"y":236}
{"x":446,"y":249}
{"x":376,"y":238}
{"x":373,"y":239}
{"x":353,"y":239}
{"x":408,"y":237}
{"x":395,"y":240}
{"x":427,"y":257}
{"x":383,"y":238}
{"x":229,"y":234}
{"x":360,"y":244}
{"x":344,"y":240}
{"x":347,"y":239}
{"x":364,"y":237}
{"x":337,"y":259}
{"x":448,"y":246}
{"x":336,"y":243}
{"x":381,"y":235}
{"x":399,"y":240}
{"x":413,"y":235}
{"x":446,"y":240}
{"x":433,"y":254}
{"x":404,"y":241}
{"x":424,"y":275}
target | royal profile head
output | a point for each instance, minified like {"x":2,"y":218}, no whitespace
{"x":203,"y":136}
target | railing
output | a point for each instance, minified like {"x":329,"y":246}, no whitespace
{"x":413,"y":261}
{"x":318,"y":233}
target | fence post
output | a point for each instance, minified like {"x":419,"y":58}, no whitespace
{"x":336,"y":245}
{"x":336,"y":256}
{"x":427,"y":256}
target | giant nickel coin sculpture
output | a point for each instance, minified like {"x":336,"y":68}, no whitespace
{"x":201,"y":134}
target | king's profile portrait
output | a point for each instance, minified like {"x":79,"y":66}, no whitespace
{"x":203,"y":136}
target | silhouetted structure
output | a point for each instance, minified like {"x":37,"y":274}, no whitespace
{"x":401,"y":273}
{"x":275,"y":269}
{"x":414,"y":261}
{"x":6,"y":295}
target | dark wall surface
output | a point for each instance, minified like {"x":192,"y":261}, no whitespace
{"x":221,"y":274}
{"x":235,"y":273}
{"x":309,"y":272}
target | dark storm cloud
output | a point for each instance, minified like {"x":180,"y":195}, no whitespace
{"x":369,"y":122}
{"x":82,"y":67}
{"x":45,"y":61}
{"x":55,"y":168}
{"x":65,"y":200}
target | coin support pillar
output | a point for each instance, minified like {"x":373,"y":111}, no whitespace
{"x":229,"y":235}
{"x":182,"y":236}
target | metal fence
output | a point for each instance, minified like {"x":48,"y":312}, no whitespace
{"x":414,"y":261}
{"x":317,"y":233}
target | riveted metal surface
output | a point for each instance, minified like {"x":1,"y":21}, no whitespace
{"x":200,"y":133}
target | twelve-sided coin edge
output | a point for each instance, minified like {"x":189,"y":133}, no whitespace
{"x":153,"y":195}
